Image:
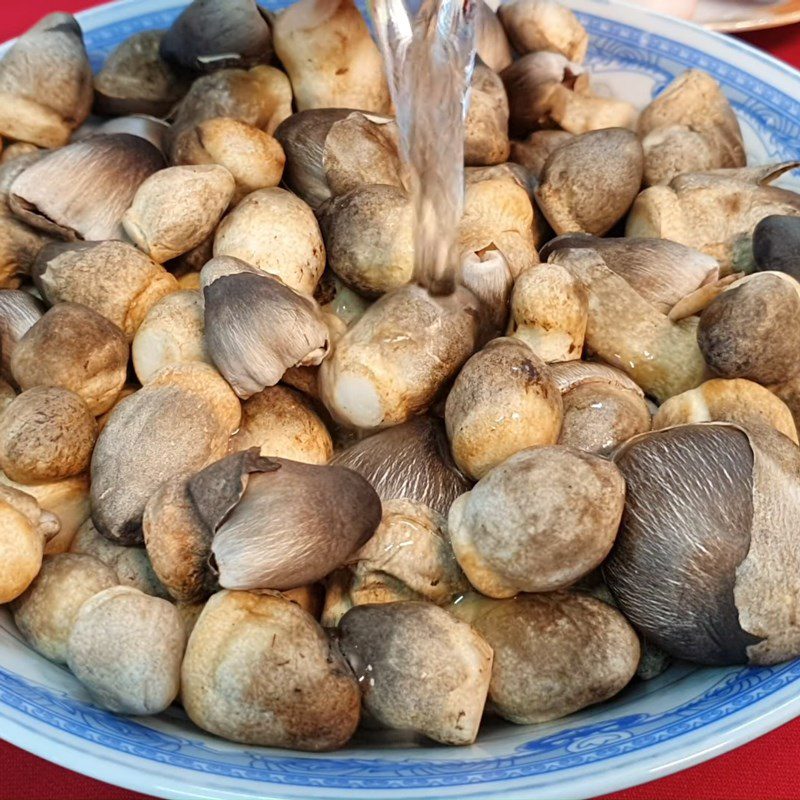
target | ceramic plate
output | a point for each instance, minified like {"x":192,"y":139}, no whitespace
{"x":651,"y":729}
{"x":746,"y":15}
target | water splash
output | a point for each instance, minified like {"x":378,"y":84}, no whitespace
{"x":429,"y":62}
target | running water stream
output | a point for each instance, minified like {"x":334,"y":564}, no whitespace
{"x":429,"y":62}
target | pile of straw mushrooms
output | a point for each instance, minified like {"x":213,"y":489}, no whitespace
{"x":250,"y":467}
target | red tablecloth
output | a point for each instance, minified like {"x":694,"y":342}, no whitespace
{"x":766,"y":769}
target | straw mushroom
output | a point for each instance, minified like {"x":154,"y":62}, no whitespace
{"x":261,"y":97}
{"x":126,"y":648}
{"x":673,"y":150}
{"x":330,"y":56}
{"x":7,"y":394}
{"x":278,"y":233}
{"x":244,"y":308}
{"x":533,"y":152}
{"x":82,"y":190}
{"x":252,"y":156}
{"x":419,"y":669}
{"x":776,"y":244}
{"x":554,"y":653}
{"x":136,"y":80}
{"x":179,"y":422}
{"x":705,"y":564}
{"x":16,"y":150}
{"x":589,"y":183}
{"x":45,"y":83}
{"x":541,"y":520}
{"x":534,"y":25}
{"x":19,"y":311}
{"x":75,"y":348}
{"x":369,"y":238}
{"x":211,"y":34}
{"x":491,"y":43}
{"x":283,"y":424}
{"x":487,"y":275}
{"x":603,"y":407}
{"x":19,"y":246}
{"x":46,"y":434}
{"x":46,"y":611}
{"x":391,"y":364}
{"x":114,"y":279}
{"x":486,"y":140}
{"x":752,"y":330}
{"x":740,"y":401}
{"x":292,"y":688}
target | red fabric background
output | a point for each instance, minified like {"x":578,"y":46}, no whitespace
{"x":766,"y":769}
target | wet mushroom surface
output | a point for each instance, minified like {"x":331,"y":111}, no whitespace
{"x":351,"y":384}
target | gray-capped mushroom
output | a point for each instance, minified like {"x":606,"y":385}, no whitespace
{"x":419,"y":668}
{"x":737,"y":400}
{"x":705,"y":564}
{"x":502,"y":401}
{"x":369,"y":238}
{"x":603,"y":407}
{"x":282,"y":423}
{"x":293,"y":688}
{"x":177,"y":209}
{"x":589,"y":183}
{"x":75,"y":348}
{"x":46,"y":611}
{"x":244,"y":310}
{"x":486,"y":140}
{"x":178,"y":423}
{"x":45,"y":83}
{"x":539,"y":521}
{"x":82,"y":190}
{"x":533,"y":152}
{"x":46,"y":434}
{"x":136,"y":80}
{"x":549,"y":311}
{"x":114,"y":279}
{"x":211,"y":34}
{"x":126,"y":648}
{"x":252,"y":156}
{"x":776,"y":244}
{"x":554,"y":653}
{"x":391,"y":364}
{"x":534,"y":25}
{"x":19,"y":311}
{"x":278,"y":233}
{"x":331,"y":58}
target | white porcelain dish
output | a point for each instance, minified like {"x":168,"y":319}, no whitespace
{"x":685,"y":716}
{"x":735,"y":16}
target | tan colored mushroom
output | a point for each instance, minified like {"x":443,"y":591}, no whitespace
{"x":580,"y":111}
{"x":331,"y":58}
{"x":533,"y":152}
{"x":45,"y":83}
{"x":7,"y":394}
{"x":420,"y":669}
{"x":114,"y":279}
{"x":126,"y":648}
{"x":549,"y":311}
{"x":486,"y":141}
{"x":16,"y":150}
{"x":282,"y":423}
{"x":75,"y":348}
{"x":46,"y":611}
{"x":19,"y":246}
{"x":252,"y":156}
{"x":673,"y":150}
{"x":177,"y":209}
{"x":278,"y":233}
{"x":540,"y":521}
{"x":491,"y":43}
{"x":534,"y":25}
{"x":554,"y":654}
{"x":502,"y":401}
{"x":46,"y":434}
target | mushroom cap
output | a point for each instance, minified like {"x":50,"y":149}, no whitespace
{"x":126,"y":649}
{"x":171,"y":333}
{"x":410,"y":461}
{"x":486,"y":141}
{"x":491,"y":42}
{"x":554,"y":653}
{"x":19,"y":311}
{"x":47,"y":609}
{"x":113,"y":278}
{"x":46,"y":433}
{"x":737,"y":400}
{"x":419,"y":668}
{"x":369,"y":238}
{"x":674,"y":149}
{"x":534,"y":25}
{"x":541,"y":520}
{"x":776,"y":244}
{"x":533,"y":152}
{"x":502,"y":401}
{"x":282,"y":423}
{"x":260,"y":670}
{"x":177,"y":209}
{"x":277,"y":232}
{"x":752,"y":330}
{"x":589,"y":183}
{"x":21,"y":551}
{"x":74,"y":347}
